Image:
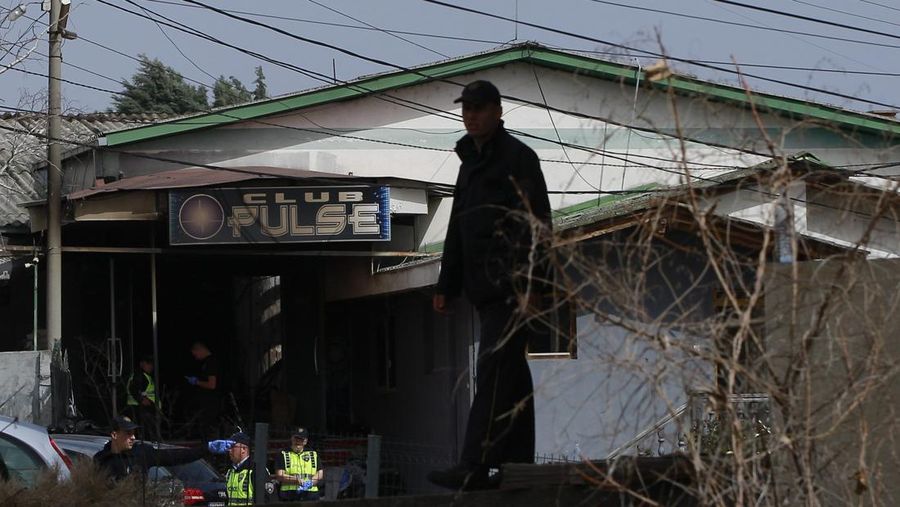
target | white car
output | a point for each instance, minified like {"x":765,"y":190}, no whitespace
{"x":26,"y":450}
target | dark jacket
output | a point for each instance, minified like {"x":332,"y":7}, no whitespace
{"x":500,"y":195}
{"x":141,"y":457}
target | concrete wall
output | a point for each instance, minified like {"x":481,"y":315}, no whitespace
{"x":19,"y":396}
{"x":837,"y":328}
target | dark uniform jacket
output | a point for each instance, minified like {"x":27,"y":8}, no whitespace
{"x":500,"y":195}
{"x":141,"y":457}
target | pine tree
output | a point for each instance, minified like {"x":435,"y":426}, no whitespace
{"x":158,"y":88}
{"x":228,"y":92}
{"x":260,"y":92}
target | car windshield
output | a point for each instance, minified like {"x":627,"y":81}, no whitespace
{"x":195,"y":471}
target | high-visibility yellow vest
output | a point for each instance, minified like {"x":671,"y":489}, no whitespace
{"x":239,"y":486}
{"x":304,"y":464}
{"x":150,"y":392}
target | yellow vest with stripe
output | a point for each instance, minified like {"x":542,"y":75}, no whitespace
{"x":305,"y":465}
{"x":150,"y":392}
{"x":239,"y":486}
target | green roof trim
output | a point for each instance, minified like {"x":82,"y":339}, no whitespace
{"x":529,"y":53}
{"x":693,"y":86}
{"x":602,"y":201}
{"x":359,"y":88}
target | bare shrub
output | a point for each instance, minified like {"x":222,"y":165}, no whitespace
{"x":88,"y":486}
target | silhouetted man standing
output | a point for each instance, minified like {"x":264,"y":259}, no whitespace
{"x":207,"y":400}
{"x":495,"y":252}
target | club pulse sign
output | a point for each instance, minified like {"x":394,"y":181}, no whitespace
{"x":279,"y":215}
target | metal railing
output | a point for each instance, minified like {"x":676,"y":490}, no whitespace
{"x":700,"y":420}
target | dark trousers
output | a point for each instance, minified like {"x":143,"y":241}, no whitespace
{"x":501,"y":419}
{"x":146,"y":417}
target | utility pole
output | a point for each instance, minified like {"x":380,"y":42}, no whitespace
{"x":59,"y":379}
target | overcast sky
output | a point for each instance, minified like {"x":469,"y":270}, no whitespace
{"x":682,"y":37}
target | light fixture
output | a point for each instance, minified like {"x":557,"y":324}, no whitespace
{"x":16,"y":13}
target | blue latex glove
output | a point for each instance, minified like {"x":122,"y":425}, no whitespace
{"x":220,"y":446}
{"x":307,"y":484}
{"x":192,"y":380}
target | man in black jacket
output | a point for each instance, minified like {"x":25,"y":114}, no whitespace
{"x":495,"y":252}
{"x":122,"y":456}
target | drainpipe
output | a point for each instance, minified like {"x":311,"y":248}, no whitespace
{"x":36,"y":391}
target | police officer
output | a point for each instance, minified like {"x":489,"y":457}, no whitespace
{"x":123,"y":456}
{"x":239,"y":478}
{"x":142,"y":398}
{"x":298,"y":469}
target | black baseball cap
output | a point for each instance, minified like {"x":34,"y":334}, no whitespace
{"x":122,"y":423}
{"x":479,"y":92}
{"x":241,"y":438}
{"x":300,"y":433}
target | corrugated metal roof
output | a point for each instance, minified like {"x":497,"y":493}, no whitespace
{"x":202,"y":177}
{"x":21,"y":151}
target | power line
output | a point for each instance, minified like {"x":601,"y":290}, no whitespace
{"x":136,"y":59}
{"x":67,"y":81}
{"x":751,"y":65}
{"x":186,"y":57}
{"x":846,"y":13}
{"x":122,"y":54}
{"x":655,"y":54}
{"x":745,"y":25}
{"x":342,"y":25}
{"x":880,"y":5}
{"x":559,"y":138}
{"x":197,"y":33}
{"x":25,"y":31}
{"x":379,"y":29}
{"x":807,"y":18}
{"x":804,"y":41}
